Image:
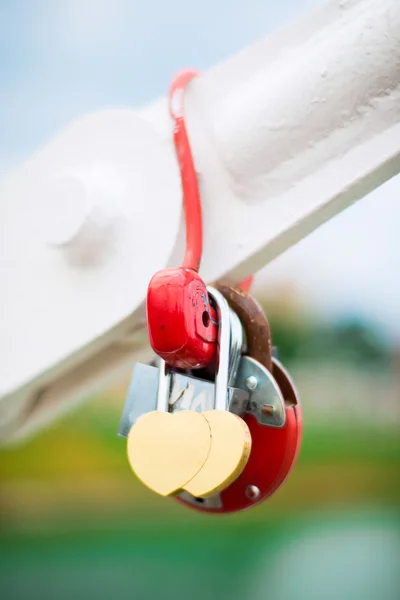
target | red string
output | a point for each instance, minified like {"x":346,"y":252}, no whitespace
{"x":190,"y":185}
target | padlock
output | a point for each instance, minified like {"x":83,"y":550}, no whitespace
{"x":174,"y":452}
{"x":167,"y":450}
{"x":275,"y":436}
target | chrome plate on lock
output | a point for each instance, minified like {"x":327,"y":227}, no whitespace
{"x":266,"y":402}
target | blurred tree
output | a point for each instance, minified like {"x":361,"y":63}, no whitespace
{"x":300,"y":336}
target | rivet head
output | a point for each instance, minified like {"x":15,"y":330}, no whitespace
{"x":79,"y":217}
{"x":251,"y":382}
{"x":252,"y":492}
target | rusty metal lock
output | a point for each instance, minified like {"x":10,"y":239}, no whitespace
{"x":275,"y":440}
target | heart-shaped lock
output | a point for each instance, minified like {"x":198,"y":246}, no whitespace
{"x":167,"y":450}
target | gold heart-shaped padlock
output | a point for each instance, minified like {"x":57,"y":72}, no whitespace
{"x":167,"y":450}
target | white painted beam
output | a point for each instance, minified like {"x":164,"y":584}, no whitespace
{"x":285,"y":135}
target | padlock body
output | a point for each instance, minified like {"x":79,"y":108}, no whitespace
{"x":181,"y":322}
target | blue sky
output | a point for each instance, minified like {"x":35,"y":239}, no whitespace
{"x":62,"y":58}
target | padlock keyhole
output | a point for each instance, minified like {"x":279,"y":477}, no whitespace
{"x":205,"y":317}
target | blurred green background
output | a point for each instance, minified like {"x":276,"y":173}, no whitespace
{"x":75,"y":523}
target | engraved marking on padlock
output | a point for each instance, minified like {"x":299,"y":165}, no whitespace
{"x":185,"y":394}
{"x":266,"y":393}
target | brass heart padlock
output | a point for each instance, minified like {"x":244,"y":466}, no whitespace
{"x":167,"y":450}
{"x":201,"y":453}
